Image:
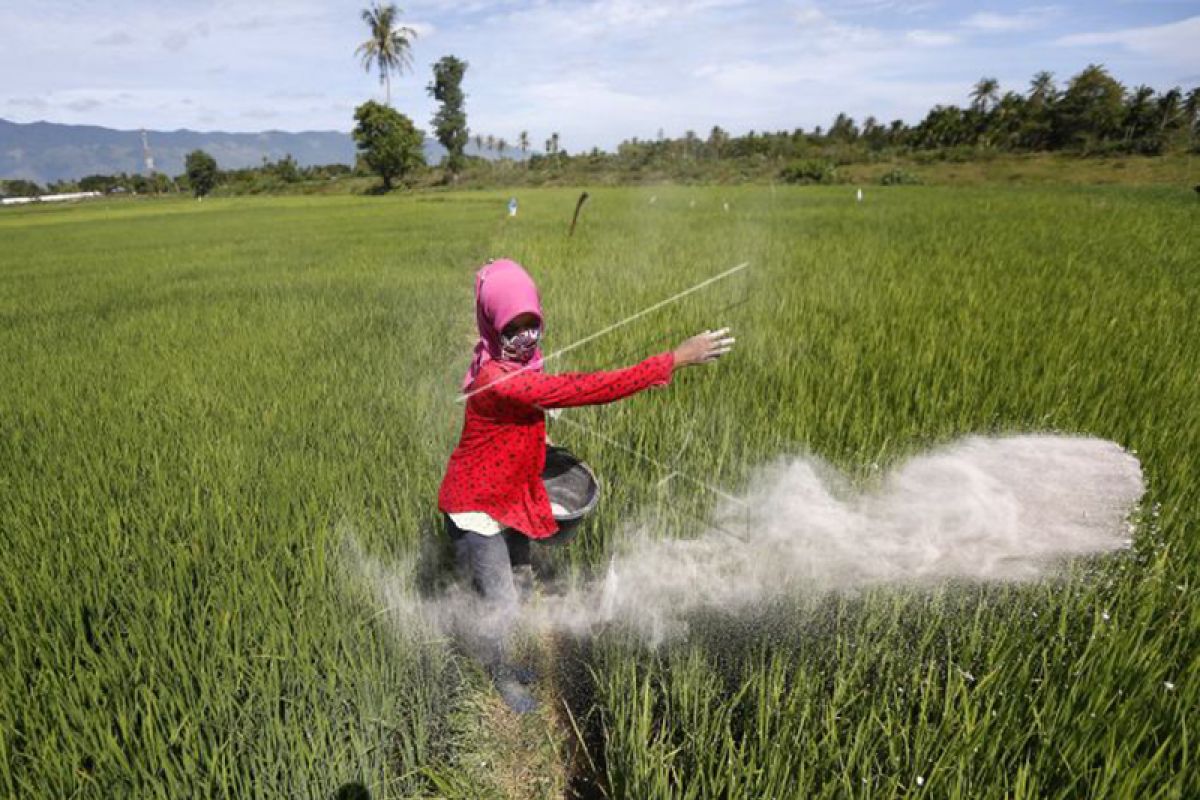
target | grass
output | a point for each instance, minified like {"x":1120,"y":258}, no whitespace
{"x":951,"y":167}
{"x":1041,"y":169}
{"x":204,"y":405}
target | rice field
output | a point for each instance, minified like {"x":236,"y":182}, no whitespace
{"x":212,"y":413}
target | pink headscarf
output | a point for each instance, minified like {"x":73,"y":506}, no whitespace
{"x":503,"y":291}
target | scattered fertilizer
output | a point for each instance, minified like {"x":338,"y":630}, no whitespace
{"x":988,"y":509}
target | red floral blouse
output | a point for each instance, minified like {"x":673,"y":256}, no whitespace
{"x":497,"y":466}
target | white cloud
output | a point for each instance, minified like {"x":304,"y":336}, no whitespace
{"x":748,"y":76}
{"x":459,"y":7}
{"x":601,"y":22}
{"x":811,"y":15}
{"x":877,"y":7}
{"x":589,"y":96}
{"x":927,"y":38}
{"x":1175,"y":42}
{"x":1027,"y":19}
{"x":423,"y":29}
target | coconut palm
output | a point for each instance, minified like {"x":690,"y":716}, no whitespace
{"x":986,"y":94}
{"x":1191,"y":111}
{"x":390,"y":46}
{"x":1041,"y":88}
{"x":1170,"y":106}
{"x":523,"y":142}
{"x":1139,"y":113}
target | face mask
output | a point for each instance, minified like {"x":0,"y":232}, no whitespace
{"x":521,"y":345}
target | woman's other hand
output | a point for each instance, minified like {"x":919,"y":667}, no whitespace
{"x":703,"y":348}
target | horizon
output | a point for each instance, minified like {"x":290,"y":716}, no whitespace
{"x":597,"y":71}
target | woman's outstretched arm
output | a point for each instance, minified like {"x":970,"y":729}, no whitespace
{"x":570,"y":389}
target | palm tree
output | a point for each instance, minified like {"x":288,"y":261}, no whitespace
{"x":1008,"y":117}
{"x":478,"y":144}
{"x":1041,"y":88}
{"x":1039,"y":121}
{"x":390,"y":46}
{"x":843,"y":127}
{"x":1169,"y":107}
{"x":554,"y":142}
{"x":689,"y":143}
{"x":872,"y":131}
{"x":501,"y":146}
{"x":985,"y":95}
{"x":491,"y":142}
{"x":1139,"y":110}
{"x":523,"y":142}
{"x":1191,"y":109}
{"x":717,"y":139}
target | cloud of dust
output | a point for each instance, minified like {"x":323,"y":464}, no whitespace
{"x":1012,"y":508}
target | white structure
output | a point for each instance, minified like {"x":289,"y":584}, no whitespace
{"x":47,"y":198}
{"x":147,"y":156}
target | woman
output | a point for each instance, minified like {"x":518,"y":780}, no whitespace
{"x":492,"y":495}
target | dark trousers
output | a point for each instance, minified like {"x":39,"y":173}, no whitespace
{"x":487,"y":563}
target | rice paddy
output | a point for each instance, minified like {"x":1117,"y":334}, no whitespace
{"x":212,"y":414}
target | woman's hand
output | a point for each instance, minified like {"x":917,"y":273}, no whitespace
{"x":703,"y":348}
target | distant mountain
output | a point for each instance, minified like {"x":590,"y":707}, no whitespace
{"x":47,"y":151}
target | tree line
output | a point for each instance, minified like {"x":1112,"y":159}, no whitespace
{"x":1092,"y":114}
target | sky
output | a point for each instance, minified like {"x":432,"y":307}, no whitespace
{"x":595,"y":71}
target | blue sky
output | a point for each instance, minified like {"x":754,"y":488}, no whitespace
{"x":596,"y":71}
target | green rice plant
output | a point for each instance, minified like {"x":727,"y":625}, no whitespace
{"x":212,"y":413}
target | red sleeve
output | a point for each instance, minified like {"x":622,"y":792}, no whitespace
{"x":583,"y":388}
